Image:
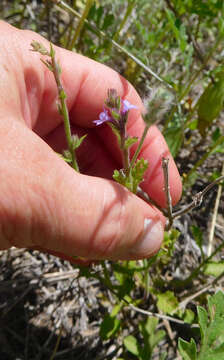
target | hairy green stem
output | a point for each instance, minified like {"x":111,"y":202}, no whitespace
{"x":64,"y":109}
{"x":125,"y":152}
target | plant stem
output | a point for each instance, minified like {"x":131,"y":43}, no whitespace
{"x":125,"y":152}
{"x":134,"y":158}
{"x":197,"y":199}
{"x":165,"y":162}
{"x":64,"y":109}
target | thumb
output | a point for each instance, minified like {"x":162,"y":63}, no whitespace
{"x":45,"y":203}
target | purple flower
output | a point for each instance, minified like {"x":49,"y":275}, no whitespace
{"x":127,"y":106}
{"x":103,"y":117}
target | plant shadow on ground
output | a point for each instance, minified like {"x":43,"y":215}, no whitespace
{"x":29,"y":317}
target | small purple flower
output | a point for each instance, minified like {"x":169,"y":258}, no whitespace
{"x":127,"y":106}
{"x":103,"y":117}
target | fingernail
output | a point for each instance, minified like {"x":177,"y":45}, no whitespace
{"x":151,"y":239}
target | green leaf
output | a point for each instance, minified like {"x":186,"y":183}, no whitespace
{"x":150,"y":335}
{"x":178,"y":29}
{"x":67,"y":155}
{"x":212,"y":328}
{"x":214,"y":268}
{"x":131,"y":344}
{"x":64,"y":158}
{"x":167,"y":302}
{"x":38,"y":47}
{"x":203,"y":320}
{"x":193,"y":124}
{"x":187,"y":350}
{"x":109,"y":327}
{"x":76,"y":141}
{"x":120,"y":177}
{"x":137,"y":173}
{"x":130,"y":141}
{"x":115,"y":115}
{"x":210,"y":103}
{"x":188,"y":316}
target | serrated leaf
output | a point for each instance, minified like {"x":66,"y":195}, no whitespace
{"x":212,"y":333}
{"x":187,"y":350}
{"x":120,"y":177}
{"x":216,"y":305}
{"x":109,"y":327}
{"x":138,"y":172}
{"x":150,"y":335}
{"x":131,"y":344}
{"x":167,"y":302}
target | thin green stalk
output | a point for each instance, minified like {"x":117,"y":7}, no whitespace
{"x":81,"y":23}
{"x":125,"y":153}
{"x":134,"y":158}
{"x":64,"y":109}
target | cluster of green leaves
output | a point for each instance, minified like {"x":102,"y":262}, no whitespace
{"x":136,"y":176}
{"x":212,"y":332}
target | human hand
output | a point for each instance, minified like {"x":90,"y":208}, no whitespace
{"x":44,"y":203}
